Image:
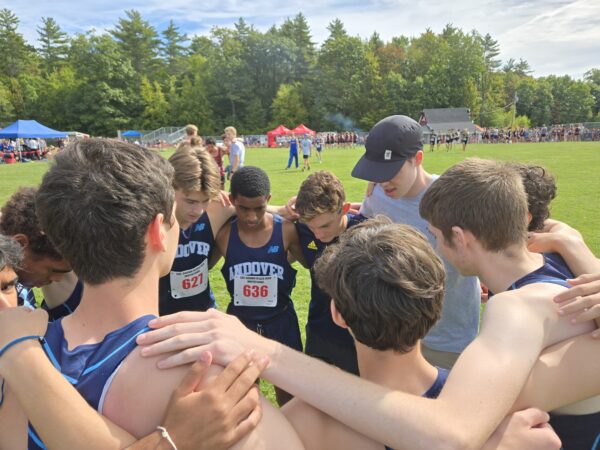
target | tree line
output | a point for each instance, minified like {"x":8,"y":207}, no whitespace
{"x":135,"y":76}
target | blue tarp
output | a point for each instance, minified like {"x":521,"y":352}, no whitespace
{"x":131,"y":133}
{"x":30,"y":129}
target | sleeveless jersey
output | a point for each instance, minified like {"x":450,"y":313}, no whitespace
{"x":319,"y":314}
{"x":186,"y":287}
{"x":553,"y":271}
{"x":259,"y":280}
{"x":25,"y":296}
{"x":436,"y":387}
{"x":67,"y":307}
{"x":89,"y":368}
{"x":575,"y":431}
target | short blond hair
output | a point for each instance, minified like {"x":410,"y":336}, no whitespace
{"x":196,"y":170}
{"x":230,"y":131}
{"x":192,"y":142}
{"x":322,"y":192}
{"x":191,"y":130}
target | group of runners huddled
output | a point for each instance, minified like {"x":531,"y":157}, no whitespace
{"x":340,"y":138}
{"x":116,"y":235}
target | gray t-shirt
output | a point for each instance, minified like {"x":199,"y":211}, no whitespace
{"x":459,"y":322}
{"x":306,"y":144}
{"x":237,"y":148}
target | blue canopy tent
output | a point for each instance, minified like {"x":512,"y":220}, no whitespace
{"x":131,"y":133}
{"x":30,"y":129}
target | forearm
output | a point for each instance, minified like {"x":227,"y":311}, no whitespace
{"x":577,"y":255}
{"x":45,"y":395}
{"x":403,"y":421}
{"x":153,"y":441}
{"x":555,"y":370}
{"x":235,"y":163}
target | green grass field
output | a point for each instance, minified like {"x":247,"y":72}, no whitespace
{"x":575,"y":166}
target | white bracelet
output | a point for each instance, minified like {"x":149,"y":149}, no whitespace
{"x":164,"y":433}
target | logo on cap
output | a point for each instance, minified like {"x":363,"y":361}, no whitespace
{"x":387,"y":155}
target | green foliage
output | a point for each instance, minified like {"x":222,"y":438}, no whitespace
{"x":137,"y":76}
{"x":288,"y":108}
{"x":54,"y":44}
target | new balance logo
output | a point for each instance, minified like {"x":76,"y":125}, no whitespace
{"x":199,"y":227}
{"x":312,"y":246}
{"x":273,"y":249}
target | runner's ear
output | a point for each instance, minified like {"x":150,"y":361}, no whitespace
{"x":336,"y":316}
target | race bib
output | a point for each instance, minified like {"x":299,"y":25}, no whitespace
{"x":255,"y":290}
{"x":189,"y":282}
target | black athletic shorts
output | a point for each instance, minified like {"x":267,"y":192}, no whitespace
{"x":577,"y":432}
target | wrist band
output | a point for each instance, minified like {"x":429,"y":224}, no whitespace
{"x":16,"y":341}
{"x":165,"y":434}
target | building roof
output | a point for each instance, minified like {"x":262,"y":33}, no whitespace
{"x":443,"y":119}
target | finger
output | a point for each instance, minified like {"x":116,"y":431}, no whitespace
{"x":194,"y":375}
{"x":579,"y":304}
{"x":577,"y":291}
{"x":233,"y":371}
{"x":248,"y":403}
{"x":534,"y":417}
{"x":183,"y":316}
{"x":247,"y":424}
{"x":176,"y":343}
{"x":574,"y":305}
{"x":245,"y":381}
{"x":586,"y":278}
{"x":173,"y":330}
{"x":182,"y":358}
{"x":591,"y":313}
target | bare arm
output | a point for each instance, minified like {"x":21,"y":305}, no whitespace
{"x":477,"y":381}
{"x":142,"y":410}
{"x":196,"y":418}
{"x":44,"y":395}
{"x":293,"y":242}
{"x":582,"y":300}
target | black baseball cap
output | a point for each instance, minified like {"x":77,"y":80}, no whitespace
{"x":390,"y":143}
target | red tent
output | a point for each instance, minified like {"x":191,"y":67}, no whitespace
{"x":302,"y":130}
{"x":279,"y":131}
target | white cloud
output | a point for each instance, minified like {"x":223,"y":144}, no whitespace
{"x":554,"y":36}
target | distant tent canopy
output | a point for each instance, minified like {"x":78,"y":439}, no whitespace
{"x":303,"y":129}
{"x":30,"y":129}
{"x":131,"y":133}
{"x":441,"y":120}
{"x":279,"y":131}
{"x":78,"y":135}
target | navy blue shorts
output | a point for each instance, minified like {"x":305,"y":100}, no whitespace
{"x":282,"y":328}
{"x":577,"y":432}
{"x":332,"y":351}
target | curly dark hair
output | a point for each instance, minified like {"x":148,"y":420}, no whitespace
{"x":19,"y":217}
{"x":540,"y":186}
{"x":11,"y":253}
{"x":250,"y":182}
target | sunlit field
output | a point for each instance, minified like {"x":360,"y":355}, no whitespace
{"x":576,"y":167}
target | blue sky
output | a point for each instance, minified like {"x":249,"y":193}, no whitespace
{"x":555,"y":36}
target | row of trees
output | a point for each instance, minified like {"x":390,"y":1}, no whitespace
{"x":134,"y":76}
